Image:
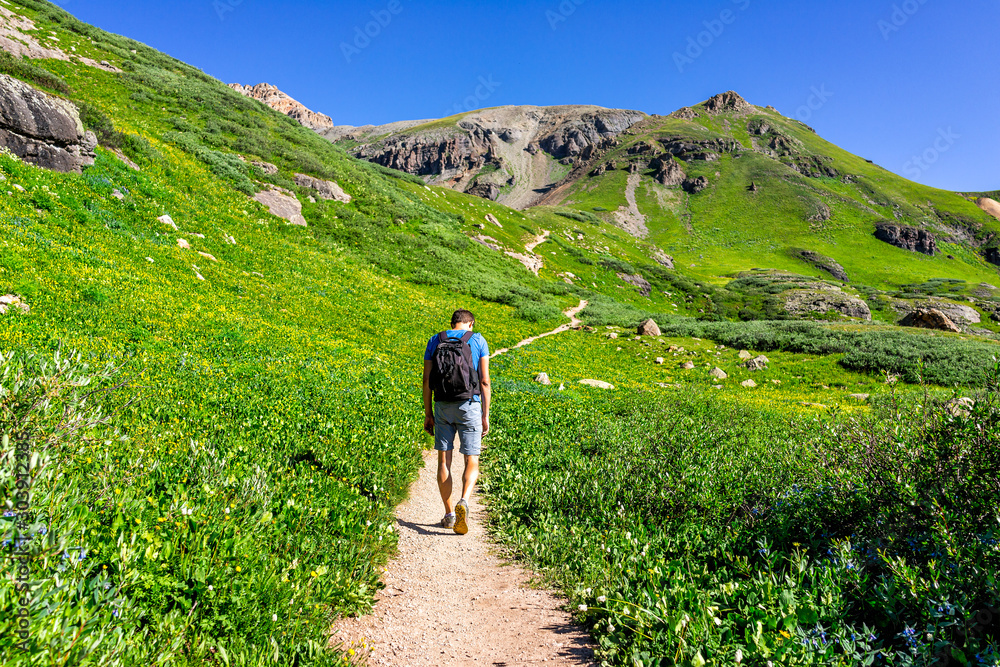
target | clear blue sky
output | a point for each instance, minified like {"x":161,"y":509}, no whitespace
{"x":896,"y":79}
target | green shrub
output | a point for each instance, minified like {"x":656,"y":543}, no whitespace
{"x":698,"y":529}
{"x":24,"y":69}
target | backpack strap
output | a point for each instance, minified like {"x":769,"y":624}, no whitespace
{"x":442,"y":337}
{"x":467,"y":352}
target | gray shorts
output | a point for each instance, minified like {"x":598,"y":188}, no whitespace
{"x":465,"y":419}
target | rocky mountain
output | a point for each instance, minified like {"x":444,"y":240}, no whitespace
{"x":513,"y":155}
{"x":279,"y":101}
{"x":723,"y":183}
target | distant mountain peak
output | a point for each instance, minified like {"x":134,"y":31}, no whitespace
{"x":727,"y":102}
{"x":279,"y":101}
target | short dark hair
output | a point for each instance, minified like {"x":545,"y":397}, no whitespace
{"x":462,"y":316}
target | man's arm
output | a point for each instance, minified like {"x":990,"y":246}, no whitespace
{"x":484,"y":383}
{"x":428,"y":406}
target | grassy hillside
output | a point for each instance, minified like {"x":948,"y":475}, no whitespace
{"x":731,"y":227}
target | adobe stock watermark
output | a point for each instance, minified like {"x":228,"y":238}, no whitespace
{"x":475,"y":101}
{"x":371,"y":30}
{"x":901,"y":13}
{"x":817,"y":99}
{"x":562,"y":13}
{"x":223,"y":7}
{"x":698,"y":44}
{"x":22,"y":522}
{"x":918,"y":164}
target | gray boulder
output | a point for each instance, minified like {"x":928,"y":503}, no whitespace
{"x":718,"y":373}
{"x":801,"y":302}
{"x":643,"y":285}
{"x":648,"y":328}
{"x":543,"y":378}
{"x":929,"y":318}
{"x":325,"y":189}
{"x":758,"y":363}
{"x":42,"y":129}
{"x":283,"y":204}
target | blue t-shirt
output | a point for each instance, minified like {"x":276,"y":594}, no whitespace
{"x":478,"y":344}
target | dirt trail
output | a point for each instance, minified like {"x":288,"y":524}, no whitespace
{"x":573,"y":322}
{"x":449,"y":600}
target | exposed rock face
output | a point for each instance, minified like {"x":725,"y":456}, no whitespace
{"x":266,"y":167}
{"x":645,"y":289}
{"x":695,"y":185}
{"x":803,"y":301}
{"x":992,"y":255}
{"x":909,"y":238}
{"x":325,"y":189}
{"x":990,"y":206}
{"x":729,"y":101}
{"x":718,"y":373}
{"x":707,"y":150}
{"x":518,"y":144}
{"x":956,"y":312}
{"x":929,"y":318}
{"x":648,"y":328}
{"x":814,"y":166}
{"x":663,"y":259}
{"x":42,"y":129}
{"x":823,"y":263}
{"x":279,"y":101}
{"x":668,"y":172}
{"x":283,"y":204}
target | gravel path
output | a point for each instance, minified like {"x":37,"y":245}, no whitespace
{"x":449,"y":600}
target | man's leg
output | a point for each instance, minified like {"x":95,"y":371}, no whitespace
{"x":444,"y":480}
{"x":470,"y":476}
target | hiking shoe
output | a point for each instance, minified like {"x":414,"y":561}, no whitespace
{"x":448,"y":521}
{"x":461,"y":517}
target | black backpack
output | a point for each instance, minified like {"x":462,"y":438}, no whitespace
{"x":453,"y":378}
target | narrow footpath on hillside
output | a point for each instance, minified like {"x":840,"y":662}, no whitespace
{"x":574,"y":321}
{"x":450,"y":600}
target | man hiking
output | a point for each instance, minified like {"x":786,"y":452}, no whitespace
{"x":457,"y":373}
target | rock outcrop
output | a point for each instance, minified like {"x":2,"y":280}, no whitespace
{"x":823,"y":263}
{"x":909,"y":238}
{"x":805,"y":301}
{"x":728,"y":102}
{"x":504,"y":154}
{"x":694,"y":185}
{"x":324,"y":189}
{"x":42,"y":129}
{"x":283,"y":204}
{"x":929,"y":318}
{"x":636,"y":280}
{"x":279,"y":101}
